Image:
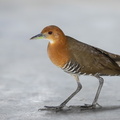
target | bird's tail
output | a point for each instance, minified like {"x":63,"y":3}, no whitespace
{"x":118,"y":62}
{"x":115,"y":57}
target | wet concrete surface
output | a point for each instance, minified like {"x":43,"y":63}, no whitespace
{"x":28,"y":79}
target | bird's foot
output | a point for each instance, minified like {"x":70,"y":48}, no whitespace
{"x":52,"y":108}
{"x":92,"y":106}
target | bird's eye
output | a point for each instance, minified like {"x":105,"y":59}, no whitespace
{"x":50,"y":32}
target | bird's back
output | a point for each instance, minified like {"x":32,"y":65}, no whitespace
{"x":93,"y":60}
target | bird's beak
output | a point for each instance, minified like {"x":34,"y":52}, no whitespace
{"x":39,"y":36}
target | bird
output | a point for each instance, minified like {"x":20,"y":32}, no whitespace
{"x":77,"y":58}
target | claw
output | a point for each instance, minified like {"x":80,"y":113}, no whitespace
{"x":54,"y":108}
{"x":93,"y":106}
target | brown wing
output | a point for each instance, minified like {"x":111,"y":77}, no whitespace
{"x":93,"y":60}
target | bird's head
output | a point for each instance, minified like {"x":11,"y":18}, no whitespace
{"x":52,"y":33}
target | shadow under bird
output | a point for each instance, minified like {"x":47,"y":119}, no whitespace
{"x":78,"y":58}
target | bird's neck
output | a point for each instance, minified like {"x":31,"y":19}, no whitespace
{"x":58,"y":53}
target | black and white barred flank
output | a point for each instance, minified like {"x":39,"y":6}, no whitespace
{"x":72,"y":68}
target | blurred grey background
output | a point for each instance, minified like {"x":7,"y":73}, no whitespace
{"x":28,"y":79}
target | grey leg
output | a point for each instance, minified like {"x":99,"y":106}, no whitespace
{"x":101,"y":81}
{"x":79,"y":87}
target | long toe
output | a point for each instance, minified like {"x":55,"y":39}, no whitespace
{"x":92,"y":106}
{"x":52,"y":108}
